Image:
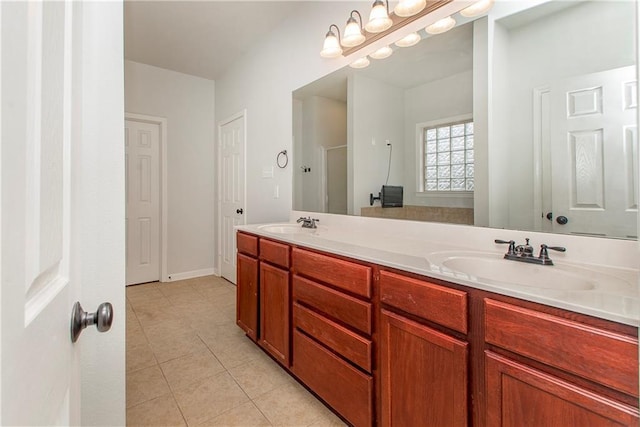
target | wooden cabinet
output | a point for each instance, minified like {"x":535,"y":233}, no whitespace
{"x":521,"y":396}
{"x":423,"y":372}
{"x":275,"y":301}
{"x":423,"y":375}
{"x":332,"y":337}
{"x":274,"y":311}
{"x":247,"y":295}
{"x":388,"y":348}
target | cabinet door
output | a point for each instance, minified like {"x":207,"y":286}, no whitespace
{"x":274,"y":311}
{"x":247,"y":295}
{"x":423,"y":375}
{"x":520,"y":396}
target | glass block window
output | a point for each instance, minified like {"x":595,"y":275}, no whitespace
{"x":448,"y":157}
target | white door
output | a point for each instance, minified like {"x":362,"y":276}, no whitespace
{"x":61,"y":176}
{"x":594,"y":152}
{"x":231,"y":137}
{"x":142,"y":154}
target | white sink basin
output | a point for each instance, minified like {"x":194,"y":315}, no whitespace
{"x":494,"y":270}
{"x":287,"y":228}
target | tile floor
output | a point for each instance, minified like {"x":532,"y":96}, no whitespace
{"x":189,"y":364}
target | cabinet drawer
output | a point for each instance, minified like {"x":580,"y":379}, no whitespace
{"x":274,"y":252}
{"x":340,"y":306}
{"x":598,"y":355}
{"x":345,"y":275}
{"x":447,"y":307}
{"x":343,"y":341}
{"x":247,"y":244}
{"x":347,"y":390}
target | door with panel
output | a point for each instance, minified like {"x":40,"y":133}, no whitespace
{"x":62,"y":191}
{"x":231,"y":140}
{"x":142,"y":157}
{"x":594,"y":153}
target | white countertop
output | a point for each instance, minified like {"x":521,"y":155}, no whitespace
{"x":614,"y":295}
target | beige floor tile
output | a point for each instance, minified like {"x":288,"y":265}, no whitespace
{"x":290,"y":405}
{"x":146,"y":292}
{"x":222,"y":337}
{"x":209,"y":398}
{"x":145,"y":384}
{"x":187,"y":370}
{"x":139,"y":355}
{"x":260,"y":376}
{"x":218,"y":293}
{"x":185,"y":298}
{"x":176,"y":346}
{"x":245,"y":415}
{"x":238,"y":354}
{"x":175,"y":288}
{"x":155,"y":311}
{"x":161,"y":411}
{"x":329,"y":419}
{"x":169,"y":328}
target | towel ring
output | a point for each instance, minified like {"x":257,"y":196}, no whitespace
{"x":284,"y":154}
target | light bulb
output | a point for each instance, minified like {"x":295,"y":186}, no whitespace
{"x":331,"y":47}
{"x":360,"y":63}
{"x":409,"y":7}
{"x":409,"y":40}
{"x":477,"y":8}
{"x":352,"y":34}
{"x":441,"y":26}
{"x":379,"y":18}
{"x":383,"y":52}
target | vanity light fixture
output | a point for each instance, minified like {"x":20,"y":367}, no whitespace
{"x":441,"y":26}
{"x":409,"y":40}
{"x":406,"y":8}
{"x":383,"y":52}
{"x":477,"y":9}
{"x":379,"y":20}
{"x":331,"y":47}
{"x":352,"y":35}
{"x":360,"y":63}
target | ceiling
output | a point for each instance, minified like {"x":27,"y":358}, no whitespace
{"x":201,"y":38}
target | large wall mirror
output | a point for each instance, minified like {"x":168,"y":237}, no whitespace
{"x":525,"y":118}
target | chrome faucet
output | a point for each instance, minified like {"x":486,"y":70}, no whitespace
{"x":308,"y":222}
{"x":524,"y":253}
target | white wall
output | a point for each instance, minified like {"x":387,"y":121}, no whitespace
{"x":263,"y":82}
{"x":377,"y":110}
{"x":324,"y":124}
{"x":187,"y":102}
{"x":442,"y":99}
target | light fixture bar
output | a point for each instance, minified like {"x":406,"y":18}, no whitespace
{"x":398,"y":22}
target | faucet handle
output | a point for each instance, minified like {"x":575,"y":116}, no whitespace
{"x":511,"y":243}
{"x":544,"y":254}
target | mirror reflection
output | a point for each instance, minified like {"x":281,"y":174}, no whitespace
{"x":521,"y":119}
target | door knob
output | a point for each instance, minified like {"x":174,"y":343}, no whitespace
{"x":562,"y":220}
{"x":549,"y":216}
{"x":239,"y":211}
{"x":80,"y":319}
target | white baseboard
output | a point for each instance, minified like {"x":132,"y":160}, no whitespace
{"x":216,"y":272}
{"x":191,"y":274}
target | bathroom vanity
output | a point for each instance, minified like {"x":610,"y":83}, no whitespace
{"x":386,"y":338}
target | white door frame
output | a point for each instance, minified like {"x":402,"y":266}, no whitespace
{"x":236,"y":116}
{"x":162,"y":123}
